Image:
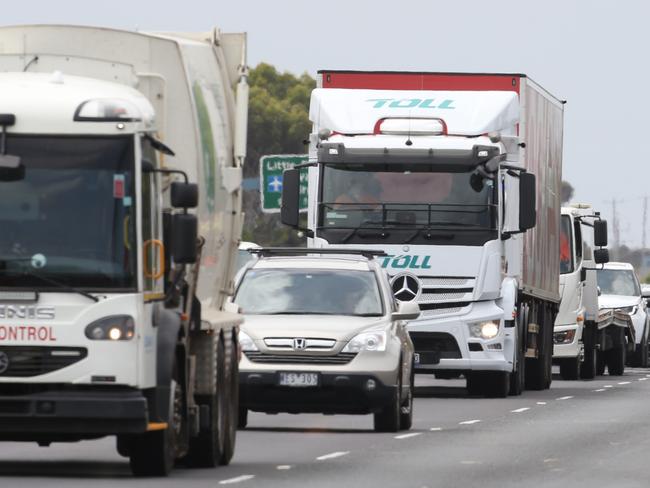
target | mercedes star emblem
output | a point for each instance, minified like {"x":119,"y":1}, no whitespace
{"x":406,"y":287}
{"x":4,"y":362}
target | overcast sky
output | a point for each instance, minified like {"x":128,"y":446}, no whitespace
{"x":592,"y":53}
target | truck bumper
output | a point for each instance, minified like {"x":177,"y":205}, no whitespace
{"x":446,"y":343}
{"x":571,"y":349}
{"x":335,"y":394}
{"x":71,"y":415}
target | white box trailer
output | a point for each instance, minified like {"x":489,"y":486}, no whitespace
{"x":454,"y":167}
{"x":122,"y":163}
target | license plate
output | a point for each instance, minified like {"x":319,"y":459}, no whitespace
{"x":298,"y":379}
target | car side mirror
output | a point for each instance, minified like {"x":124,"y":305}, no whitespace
{"x":290,"y":209}
{"x":406,"y":311}
{"x":600,"y":233}
{"x":184,"y":237}
{"x":527,"y":201}
{"x":601,"y":256}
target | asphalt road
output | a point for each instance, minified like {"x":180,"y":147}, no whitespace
{"x":577,"y":434}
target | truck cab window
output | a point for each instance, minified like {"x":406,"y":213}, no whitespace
{"x":566,"y":247}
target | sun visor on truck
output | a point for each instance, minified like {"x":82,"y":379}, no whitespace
{"x":468,"y":113}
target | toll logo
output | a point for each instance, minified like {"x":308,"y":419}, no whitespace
{"x":445,"y":104}
{"x":406,"y":261}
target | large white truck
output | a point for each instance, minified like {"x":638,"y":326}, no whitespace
{"x":577,"y":330}
{"x":120,"y":167}
{"x":457,"y":177}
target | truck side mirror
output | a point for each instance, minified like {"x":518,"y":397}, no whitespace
{"x":184,"y":195}
{"x":290,"y":209}
{"x":527,"y":201}
{"x":600,"y":233}
{"x":184,"y":237}
{"x":601,"y":256}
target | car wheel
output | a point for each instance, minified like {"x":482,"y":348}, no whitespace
{"x":616,"y":357}
{"x":474,"y":384}
{"x":242,"y":419}
{"x":570,"y":369}
{"x":406,"y":412}
{"x":600,"y":362}
{"x":388,"y":418}
{"x":497,"y":384}
{"x":589,"y":366}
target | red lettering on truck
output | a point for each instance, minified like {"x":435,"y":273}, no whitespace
{"x":26,"y":333}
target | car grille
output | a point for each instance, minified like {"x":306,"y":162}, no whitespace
{"x":439,"y":342}
{"x":25,"y":361}
{"x":340,"y":358}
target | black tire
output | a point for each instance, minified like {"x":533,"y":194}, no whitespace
{"x":640,"y":357}
{"x":497,"y":384}
{"x":600,"y":361}
{"x":232,"y":395}
{"x":615,"y":357}
{"x":153,"y":454}
{"x":206,"y":450}
{"x":242,"y":418}
{"x":388,"y":418}
{"x":406,"y":411}
{"x":474,"y":384}
{"x":518,"y":375}
{"x":589,"y":366}
{"x":570,"y":369}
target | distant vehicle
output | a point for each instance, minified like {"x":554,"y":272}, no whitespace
{"x":243,"y":254}
{"x":456,"y":177}
{"x":576,"y":331}
{"x":324,"y":334}
{"x":620,"y":291}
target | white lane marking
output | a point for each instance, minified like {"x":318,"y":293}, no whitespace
{"x":471,"y":462}
{"x":519,"y":410}
{"x":541,"y":403}
{"x":406,"y":436}
{"x":332,"y":455}
{"x":435,"y":429}
{"x":601,"y":389}
{"x":238,"y":479}
{"x":624,"y":383}
{"x":469,"y":422}
{"x":283,"y":467}
{"x":648,"y":375}
{"x":643,"y":379}
{"x":564,"y":398}
{"x":609,"y":386}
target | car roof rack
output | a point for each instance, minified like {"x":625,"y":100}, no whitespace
{"x":303,"y":251}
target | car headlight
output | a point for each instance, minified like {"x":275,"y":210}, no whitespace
{"x":246,"y":342}
{"x":564,"y":337}
{"x":367,"y":341}
{"x":629,"y":310}
{"x":487,"y":329}
{"x":113,"y":328}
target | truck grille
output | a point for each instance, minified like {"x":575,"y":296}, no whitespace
{"x":259,"y":357}
{"x":26,"y":361}
{"x":435,"y":295}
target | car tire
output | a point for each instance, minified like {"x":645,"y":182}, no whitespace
{"x":474,"y":384}
{"x":570,"y":369}
{"x":406,"y":411}
{"x":616,"y":357}
{"x":242,"y":418}
{"x":640,"y":358}
{"x":497,"y":384}
{"x":388,"y":418}
{"x":600,"y":363}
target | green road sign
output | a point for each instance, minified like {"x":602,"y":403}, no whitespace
{"x":271,"y":169}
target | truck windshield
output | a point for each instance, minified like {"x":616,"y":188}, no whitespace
{"x":400,"y":198}
{"x":618,"y":282}
{"x":309,"y":292}
{"x":72,"y":218}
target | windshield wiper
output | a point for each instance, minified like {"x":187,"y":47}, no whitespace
{"x":50,"y":281}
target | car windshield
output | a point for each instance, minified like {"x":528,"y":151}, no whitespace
{"x":410,"y":196}
{"x":72,"y":217}
{"x":618,"y":282}
{"x":309,"y":291}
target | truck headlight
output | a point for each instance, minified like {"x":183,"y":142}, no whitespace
{"x":629,"y":310}
{"x":246,"y":342}
{"x":487,"y":329}
{"x":367,"y":341}
{"x":113,"y":328}
{"x":564,"y":337}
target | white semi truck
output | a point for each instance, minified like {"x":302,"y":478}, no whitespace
{"x":577,"y":330}
{"x":457,"y":177}
{"x":120,"y":167}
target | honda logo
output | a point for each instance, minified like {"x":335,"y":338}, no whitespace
{"x":299,"y":344}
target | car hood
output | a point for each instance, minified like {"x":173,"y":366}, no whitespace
{"x":337,"y":327}
{"x":617,"y":301}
